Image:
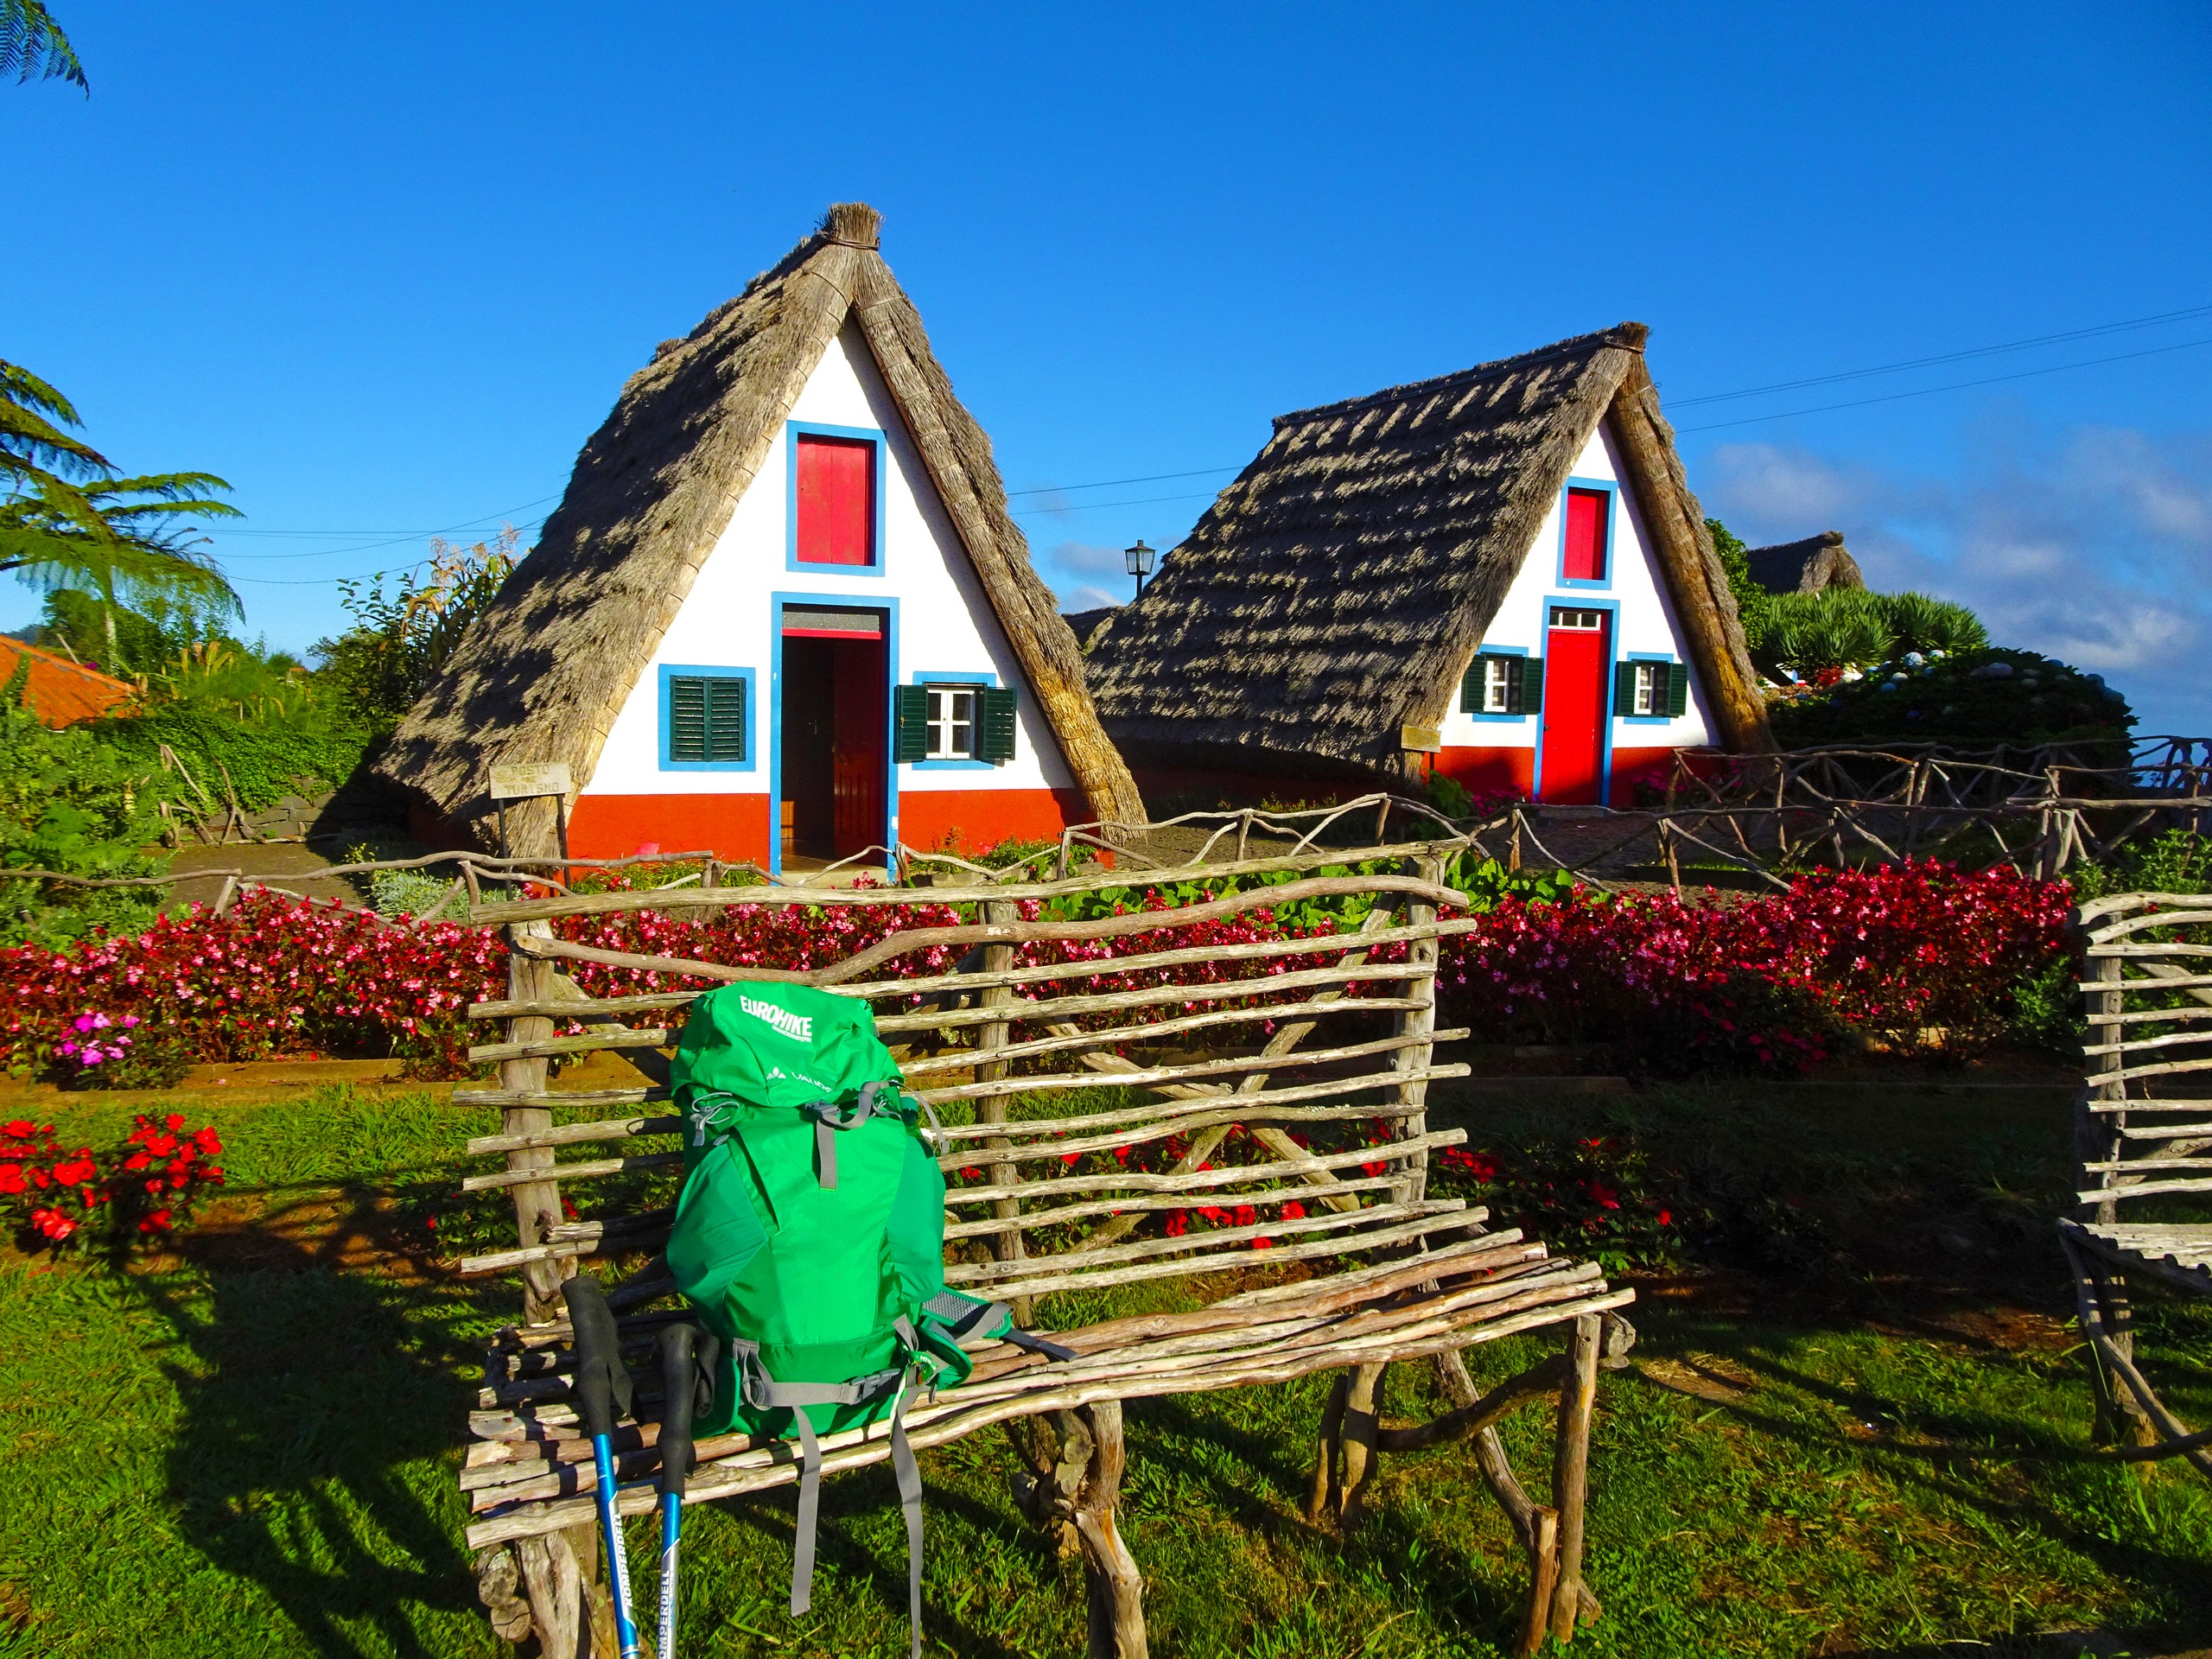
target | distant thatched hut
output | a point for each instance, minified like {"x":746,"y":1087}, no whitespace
{"x":1807,"y":567}
{"x":781,"y":607}
{"x":1500,"y":576}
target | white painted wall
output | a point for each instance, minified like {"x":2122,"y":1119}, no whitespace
{"x":944,"y":625}
{"x":1645,"y":622}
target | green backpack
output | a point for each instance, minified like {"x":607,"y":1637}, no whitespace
{"x":809,"y":1237}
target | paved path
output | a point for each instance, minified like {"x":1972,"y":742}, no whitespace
{"x":283,"y":864}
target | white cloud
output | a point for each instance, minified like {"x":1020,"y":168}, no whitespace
{"x":2093,"y":545}
{"x":1083,"y":575}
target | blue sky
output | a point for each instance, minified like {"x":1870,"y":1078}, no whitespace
{"x":386,"y":268}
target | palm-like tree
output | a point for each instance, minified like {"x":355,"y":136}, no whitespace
{"x":67,"y":520}
{"x":33,"y":46}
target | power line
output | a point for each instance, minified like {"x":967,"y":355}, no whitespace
{"x":369,"y":547}
{"x":1107,"y":483}
{"x":1959,"y":386}
{"x":1097,"y":506}
{"x":1948,"y":357}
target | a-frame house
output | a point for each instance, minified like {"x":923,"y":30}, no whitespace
{"x":781,"y":613}
{"x":1500,"y":576}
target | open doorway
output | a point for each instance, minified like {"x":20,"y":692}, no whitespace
{"x":835,"y":698}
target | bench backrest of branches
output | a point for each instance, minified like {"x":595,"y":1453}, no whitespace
{"x":1229,"y":1125}
{"x":2143,"y":1140}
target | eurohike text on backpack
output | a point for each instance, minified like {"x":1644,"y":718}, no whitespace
{"x":810,"y":1239}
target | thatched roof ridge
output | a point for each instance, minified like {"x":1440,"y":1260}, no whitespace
{"x":542,"y":674}
{"x":1334,"y":593}
{"x":1805,"y":566}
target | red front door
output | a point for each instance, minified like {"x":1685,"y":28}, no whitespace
{"x":863,"y":701}
{"x":1578,"y":657}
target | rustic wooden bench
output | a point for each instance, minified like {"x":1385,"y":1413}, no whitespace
{"x":2144,"y":1133}
{"x":1136,"y":1132}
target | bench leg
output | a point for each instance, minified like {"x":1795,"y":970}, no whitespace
{"x":1116,"y":1588}
{"x":1363,"y":1422}
{"x":2100,"y":1299}
{"x":554,"y":1582}
{"x":1504,"y":1486}
{"x":1070,"y":1490}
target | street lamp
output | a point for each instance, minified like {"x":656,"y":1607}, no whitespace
{"x":1139,"y":559}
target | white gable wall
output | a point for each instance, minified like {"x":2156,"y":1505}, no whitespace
{"x":943,"y":621}
{"x":1645,"y":624}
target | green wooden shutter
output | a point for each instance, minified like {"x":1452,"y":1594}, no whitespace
{"x":687,"y":718}
{"x":1527,"y":690}
{"x":1678,"y":690}
{"x":1470,"y":687}
{"x":994,"y":739}
{"x":910,"y":717}
{"x":1624,"y":689}
{"x":725,"y":719}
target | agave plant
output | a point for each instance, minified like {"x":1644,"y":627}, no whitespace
{"x":1836,"y":628}
{"x":1920,"y":622}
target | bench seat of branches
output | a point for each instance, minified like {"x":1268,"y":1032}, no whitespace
{"x":2144,"y":1139}
{"x":1289,"y":1075}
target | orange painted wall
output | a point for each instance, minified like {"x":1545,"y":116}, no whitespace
{"x":976,"y":819}
{"x":733,"y":827}
{"x":736,"y":826}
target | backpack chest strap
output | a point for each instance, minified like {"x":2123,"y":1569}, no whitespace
{"x":882,"y":1099}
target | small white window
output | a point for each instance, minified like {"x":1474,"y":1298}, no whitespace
{"x":1564,"y":617}
{"x":952,"y":722}
{"x":1498,"y":686}
{"x":1650,"y":692}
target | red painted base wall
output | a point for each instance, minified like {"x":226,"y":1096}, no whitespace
{"x":969,"y":820}
{"x":736,"y":827}
{"x":732,"y":827}
{"x":1481,"y":770}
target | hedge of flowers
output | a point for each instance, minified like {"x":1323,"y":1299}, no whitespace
{"x":1678,"y":984}
{"x":1682,"y":984}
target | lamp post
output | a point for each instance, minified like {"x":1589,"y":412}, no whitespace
{"x":1139,"y":559}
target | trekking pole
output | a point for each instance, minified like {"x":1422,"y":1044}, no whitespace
{"x":679,"y":1397}
{"x":602,"y":1390}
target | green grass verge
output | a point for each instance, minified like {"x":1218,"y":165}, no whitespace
{"x":252,"y":1448}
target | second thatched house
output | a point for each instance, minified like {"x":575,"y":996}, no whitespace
{"x":1810,"y":566}
{"x":781,"y":613}
{"x":1500,"y":577}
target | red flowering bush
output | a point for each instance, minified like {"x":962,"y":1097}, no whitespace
{"x":1684,"y":984}
{"x":1679,"y":984}
{"x":52,"y":1197}
{"x":1599,"y":1196}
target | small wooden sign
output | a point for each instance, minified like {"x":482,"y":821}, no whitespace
{"x":523,"y":783}
{"x":1421,"y":740}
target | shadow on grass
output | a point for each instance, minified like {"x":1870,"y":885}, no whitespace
{"x":318,"y":1407}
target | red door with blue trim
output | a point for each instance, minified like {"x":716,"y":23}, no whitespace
{"x":1578,"y":662}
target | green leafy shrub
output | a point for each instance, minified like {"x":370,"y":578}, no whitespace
{"x":1922,"y":623}
{"x":1973,"y":701}
{"x":75,"y":804}
{"x":1754,"y":605}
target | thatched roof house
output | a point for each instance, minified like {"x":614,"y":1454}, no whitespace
{"x":1330,"y":612}
{"x":1807,"y":567}
{"x":703,"y":466}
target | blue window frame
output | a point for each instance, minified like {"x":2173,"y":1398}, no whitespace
{"x":701,"y":727}
{"x":1611,"y":520}
{"x":873,"y":436}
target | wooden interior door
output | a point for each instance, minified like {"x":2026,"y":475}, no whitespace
{"x":863,"y":710}
{"x":1578,"y":659}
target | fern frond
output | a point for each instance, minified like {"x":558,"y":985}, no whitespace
{"x":33,"y":46}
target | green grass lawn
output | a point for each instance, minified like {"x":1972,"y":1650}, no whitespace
{"x":251,"y":1447}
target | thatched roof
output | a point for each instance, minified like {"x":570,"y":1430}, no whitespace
{"x":543,"y":673}
{"x":1337,"y":591}
{"x":1090,"y":626}
{"x":1805,"y":566}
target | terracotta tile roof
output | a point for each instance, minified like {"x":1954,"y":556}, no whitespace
{"x":62,"y":692}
